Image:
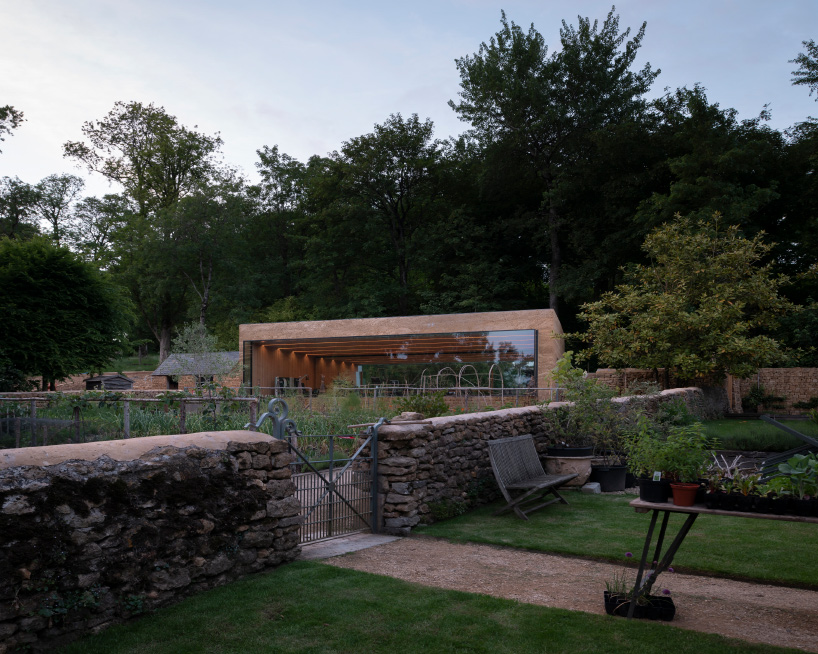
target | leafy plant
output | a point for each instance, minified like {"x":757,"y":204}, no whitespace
{"x":430,"y":405}
{"x":592,"y":417}
{"x":802,"y":470}
{"x":758,"y":398}
{"x":688,"y":453}
{"x":811,"y":403}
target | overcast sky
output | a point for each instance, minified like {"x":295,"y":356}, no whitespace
{"x":308,"y":75}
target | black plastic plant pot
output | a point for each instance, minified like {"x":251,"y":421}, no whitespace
{"x":654,"y":491}
{"x":610,"y":478}
{"x":559,"y":450}
{"x":714,"y":499}
{"x":655,"y":607}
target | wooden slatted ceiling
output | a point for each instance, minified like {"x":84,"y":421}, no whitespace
{"x":417,"y":348}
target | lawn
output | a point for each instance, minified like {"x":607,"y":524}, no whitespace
{"x":605,"y":527}
{"x":132,"y":364}
{"x":309,"y":607}
{"x":757,"y":435}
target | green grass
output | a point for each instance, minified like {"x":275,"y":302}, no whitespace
{"x":125,"y":364}
{"x":605,"y":527}
{"x":310,"y":607}
{"x":757,"y":435}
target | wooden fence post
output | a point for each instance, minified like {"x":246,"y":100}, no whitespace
{"x":126,"y":418}
{"x":182,"y":417}
{"x":33,"y":416}
{"x":76,"y":424}
{"x":253,"y":412}
{"x":16,"y":432}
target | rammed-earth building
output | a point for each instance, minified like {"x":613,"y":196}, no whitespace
{"x":509,"y":348}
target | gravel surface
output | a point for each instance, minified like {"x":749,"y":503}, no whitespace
{"x":753,"y":612}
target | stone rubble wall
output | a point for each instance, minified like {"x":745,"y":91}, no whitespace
{"x":87,"y":543}
{"x":444,"y":464}
{"x":793,"y":384}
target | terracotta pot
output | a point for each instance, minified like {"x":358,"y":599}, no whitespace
{"x":566,"y":465}
{"x":684,"y":494}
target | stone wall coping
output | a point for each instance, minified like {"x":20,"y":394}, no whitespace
{"x":465,"y":418}
{"x":124,"y":450}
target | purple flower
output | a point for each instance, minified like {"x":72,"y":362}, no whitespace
{"x":665,"y":591}
{"x":670,"y":569}
{"x":628,"y":554}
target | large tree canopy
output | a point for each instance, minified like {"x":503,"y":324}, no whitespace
{"x":159,"y":163}
{"x":547,"y":107}
{"x":60,"y":315}
{"x":698,"y":308}
{"x":142,"y":147}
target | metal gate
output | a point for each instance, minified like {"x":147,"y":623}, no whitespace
{"x":335,"y":482}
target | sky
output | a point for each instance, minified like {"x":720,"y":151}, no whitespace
{"x":309,"y":75}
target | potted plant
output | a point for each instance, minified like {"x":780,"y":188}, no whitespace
{"x":646,"y":450}
{"x":802,"y":470}
{"x":688,"y":452}
{"x":587,"y":423}
{"x":619,"y":593}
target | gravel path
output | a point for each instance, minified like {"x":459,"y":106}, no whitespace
{"x":753,"y":612}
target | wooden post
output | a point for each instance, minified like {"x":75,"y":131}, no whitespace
{"x":126,"y":418}
{"x":16,"y":432}
{"x":253,"y":412}
{"x":76,"y":424}
{"x":182,"y":417}
{"x":33,"y":416}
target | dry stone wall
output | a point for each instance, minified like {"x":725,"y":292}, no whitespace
{"x":86,"y":543}
{"x":793,"y":384}
{"x":436,"y":469}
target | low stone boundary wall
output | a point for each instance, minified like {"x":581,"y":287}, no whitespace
{"x":433,"y":470}
{"x":94,"y":533}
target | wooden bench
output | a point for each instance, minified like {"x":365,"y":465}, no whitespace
{"x":517,"y":468}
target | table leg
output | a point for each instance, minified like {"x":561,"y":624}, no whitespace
{"x":641,"y":588}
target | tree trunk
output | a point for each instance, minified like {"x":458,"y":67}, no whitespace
{"x":556,"y":260}
{"x":164,"y":342}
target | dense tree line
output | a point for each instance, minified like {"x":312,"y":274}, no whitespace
{"x":545,"y":200}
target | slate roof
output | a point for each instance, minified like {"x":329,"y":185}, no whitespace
{"x":214,"y":363}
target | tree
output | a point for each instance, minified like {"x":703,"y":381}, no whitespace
{"x":365,"y":209}
{"x":143,"y":148}
{"x":547,"y":106}
{"x":18,"y":202}
{"x":197,"y":354}
{"x":700,"y":307}
{"x":55,"y":195}
{"x":10,"y":118}
{"x":807,"y":73}
{"x":60,"y":315}
{"x":96,"y":225}
{"x":158,"y":162}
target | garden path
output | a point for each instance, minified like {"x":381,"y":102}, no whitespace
{"x":754,"y":612}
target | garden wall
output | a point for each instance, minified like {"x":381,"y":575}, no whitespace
{"x":94,"y":533}
{"x":436,"y":469}
{"x":793,"y":384}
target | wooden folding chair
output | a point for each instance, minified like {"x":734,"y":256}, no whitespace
{"x":517,"y":468}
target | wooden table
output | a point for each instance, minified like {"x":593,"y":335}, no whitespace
{"x":692,"y":512}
